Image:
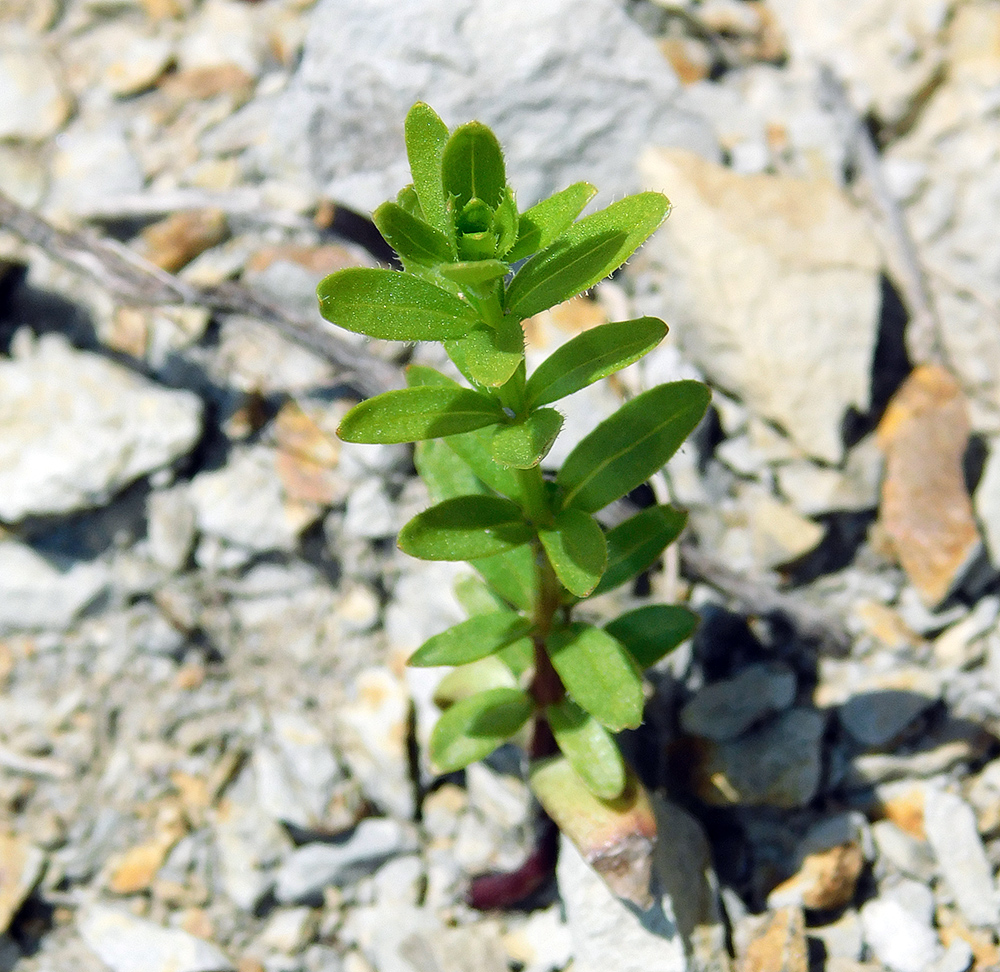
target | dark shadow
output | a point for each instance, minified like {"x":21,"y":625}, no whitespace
{"x":890,"y":366}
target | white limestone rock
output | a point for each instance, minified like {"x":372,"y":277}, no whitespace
{"x":78,"y":428}
{"x":771,"y":286}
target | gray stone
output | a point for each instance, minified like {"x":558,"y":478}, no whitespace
{"x":170,"y":527}
{"x":987,"y":501}
{"x":312,"y":867}
{"x":815,"y":490}
{"x":33,"y":104}
{"x":372,"y":732}
{"x":370,"y":513}
{"x":248,"y":843}
{"x":958,"y":957}
{"x":843,"y":938}
{"x":951,"y":830}
{"x":92,"y":160}
{"x":898,"y":939}
{"x":917,"y":898}
{"x":38,"y":594}
{"x":724,"y":710}
{"x":956,"y":138}
{"x":288,"y":930}
{"x":78,"y":428}
{"x":909,"y":855}
{"x":683,"y":870}
{"x":543,"y":942}
{"x":609,"y":933}
{"x":296,"y":771}
{"x":886,"y":50}
{"x":130,"y":944}
{"x":243,"y":504}
{"x":878,"y":715}
{"x":591,"y":90}
{"x":777,"y":765}
{"x":385,"y":934}
{"x":805,"y":254}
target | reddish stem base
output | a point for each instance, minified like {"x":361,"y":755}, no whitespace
{"x":490,"y":892}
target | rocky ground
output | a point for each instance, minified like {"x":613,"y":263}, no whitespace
{"x":210,"y":748}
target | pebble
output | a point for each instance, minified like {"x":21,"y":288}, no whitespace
{"x":907,"y":854}
{"x":242,"y":503}
{"x":306,"y":871}
{"x":952,"y":834}
{"x":79,"y":428}
{"x":249,"y":843}
{"x":21,"y":865}
{"x":883,"y":707}
{"x":36,"y":595}
{"x":606,"y":932}
{"x":778,"y":764}
{"x":928,"y":517}
{"x":843,"y":938}
{"x":778,"y":945}
{"x":543,"y":942}
{"x":826,"y":880}
{"x":726,"y":709}
{"x":288,"y":930}
{"x":126,"y":943}
{"x":372,"y":732}
{"x":898,"y":939}
{"x":33,"y":103}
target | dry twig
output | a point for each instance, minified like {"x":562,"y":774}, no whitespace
{"x":905,"y":268}
{"x":132,"y":280}
{"x":756,"y":596}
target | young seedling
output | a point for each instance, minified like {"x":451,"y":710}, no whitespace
{"x":474,"y":268}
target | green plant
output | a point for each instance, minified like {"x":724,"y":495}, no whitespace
{"x":523,"y":658}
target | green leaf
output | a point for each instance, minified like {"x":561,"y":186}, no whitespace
{"x":547,"y":220}
{"x":410,"y":237}
{"x":476,"y":596}
{"x":475,"y":273}
{"x":527,"y":443}
{"x":444,"y":474}
{"x":418,"y":376}
{"x":589,"y":747}
{"x":599,"y":674}
{"x":407,"y":199}
{"x":649,"y":633}
{"x":577,"y":550}
{"x":586,"y":253}
{"x":627,"y":448}
{"x":505,"y":223}
{"x":473,"y":448}
{"x":466,"y":680}
{"x":635,"y":544}
{"x":465,"y":528}
{"x":492,"y":355}
{"x":473,"y":166}
{"x":393,"y":306}
{"x":475,"y":638}
{"x":513,"y":575}
{"x":426,"y":136}
{"x":411,"y":414}
{"x":518,"y":656}
{"x":471,"y":729}
{"x":592,"y":355}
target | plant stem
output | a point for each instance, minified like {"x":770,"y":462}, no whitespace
{"x":536,"y":504}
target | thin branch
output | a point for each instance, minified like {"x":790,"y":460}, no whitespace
{"x":758,"y":597}
{"x":132,"y":280}
{"x":905,"y":268}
